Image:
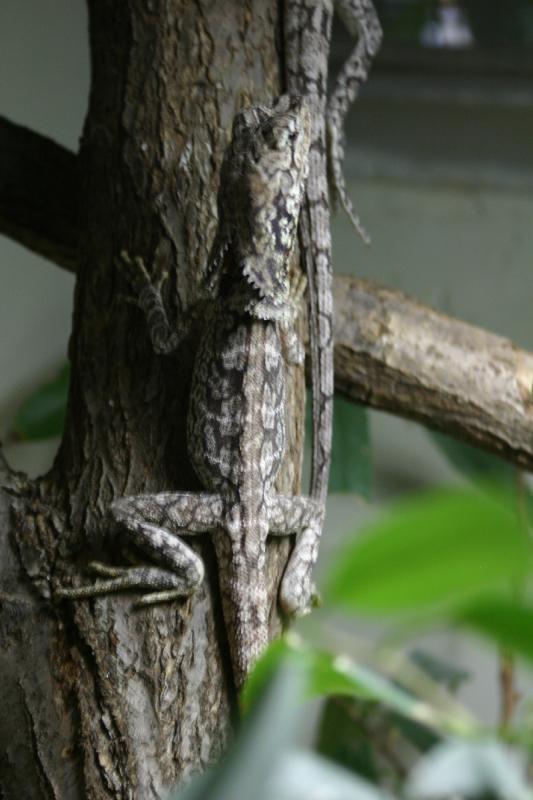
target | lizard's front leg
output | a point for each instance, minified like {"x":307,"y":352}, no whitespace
{"x":153,"y":522}
{"x":147,"y":295}
{"x":294,"y":349}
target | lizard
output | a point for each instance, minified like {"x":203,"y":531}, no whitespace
{"x":306,"y":34}
{"x":235,"y":423}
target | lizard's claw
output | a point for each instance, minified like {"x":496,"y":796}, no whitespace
{"x":163,"y":596}
{"x":106,"y":570}
{"x":297,"y":597}
{"x":298,"y":286}
{"x":134,"y":270}
{"x":137,"y":275}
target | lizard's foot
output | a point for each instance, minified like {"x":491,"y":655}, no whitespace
{"x":298,"y":596}
{"x":297,"y":593}
{"x":302,"y":516}
{"x":106,"y":570}
{"x":147,"y":295}
{"x":154,"y":598}
{"x":137,"y":274}
{"x":168,"y":584}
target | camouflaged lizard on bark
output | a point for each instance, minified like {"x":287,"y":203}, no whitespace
{"x":236,"y":418}
{"x":307,"y":34}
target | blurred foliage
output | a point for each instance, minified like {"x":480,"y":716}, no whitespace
{"x":391,"y":727}
{"x":42,"y":414}
{"x":430,"y":553}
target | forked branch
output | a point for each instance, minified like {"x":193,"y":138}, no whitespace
{"x":391,"y":352}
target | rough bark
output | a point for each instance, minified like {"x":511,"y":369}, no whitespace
{"x":128,"y":702}
{"x":395,"y":354}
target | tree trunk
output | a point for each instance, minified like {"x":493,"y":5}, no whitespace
{"x":102,"y":700}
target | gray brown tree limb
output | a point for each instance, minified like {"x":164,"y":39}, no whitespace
{"x":38,"y":194}
{"x":392,"y":353}
{"x":395,"y":354}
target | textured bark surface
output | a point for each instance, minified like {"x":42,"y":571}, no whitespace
{"x":395,"y":354}
{"x":128,"y":702}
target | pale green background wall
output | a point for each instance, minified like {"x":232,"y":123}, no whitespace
{"x":441,"y":174}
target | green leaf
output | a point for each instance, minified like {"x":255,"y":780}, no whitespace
{"x":506,"y":622}
{"x":339,"y":675}
{"x":293,"y":776}
{"x":351,"y":457}
{"x":42,"y":414}
{"x":278,"y":652}
{"x":326,"y":674}
{"x":265,"y":737}
{"x":469,"y":770}
{"x":434,"y":551}
{"x":261,"y":765}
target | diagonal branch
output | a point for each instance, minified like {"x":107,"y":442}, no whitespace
{"x":391,"y":352}
{"x":395,"y":354}
{"x":38,"y":193}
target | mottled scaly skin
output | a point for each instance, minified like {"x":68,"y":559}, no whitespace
{"x":307,"y":35}
{"x":236,"y":429}
{"x":236,"y":419}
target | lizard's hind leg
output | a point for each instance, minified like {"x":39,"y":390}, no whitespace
{"x":302,"y":516}
{"x":153,"y":522}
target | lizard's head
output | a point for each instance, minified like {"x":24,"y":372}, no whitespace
{"x":269,"y":140}
{"x":266,"y":174}
{"x":280,"y":141}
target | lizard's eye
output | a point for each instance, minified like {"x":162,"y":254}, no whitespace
{"x":293,"y":135}
{"x":269,"y":135}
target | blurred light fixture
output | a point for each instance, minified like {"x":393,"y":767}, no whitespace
{"x":449,"y":27}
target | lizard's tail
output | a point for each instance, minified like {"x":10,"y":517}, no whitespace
{"x":245,"y":606}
